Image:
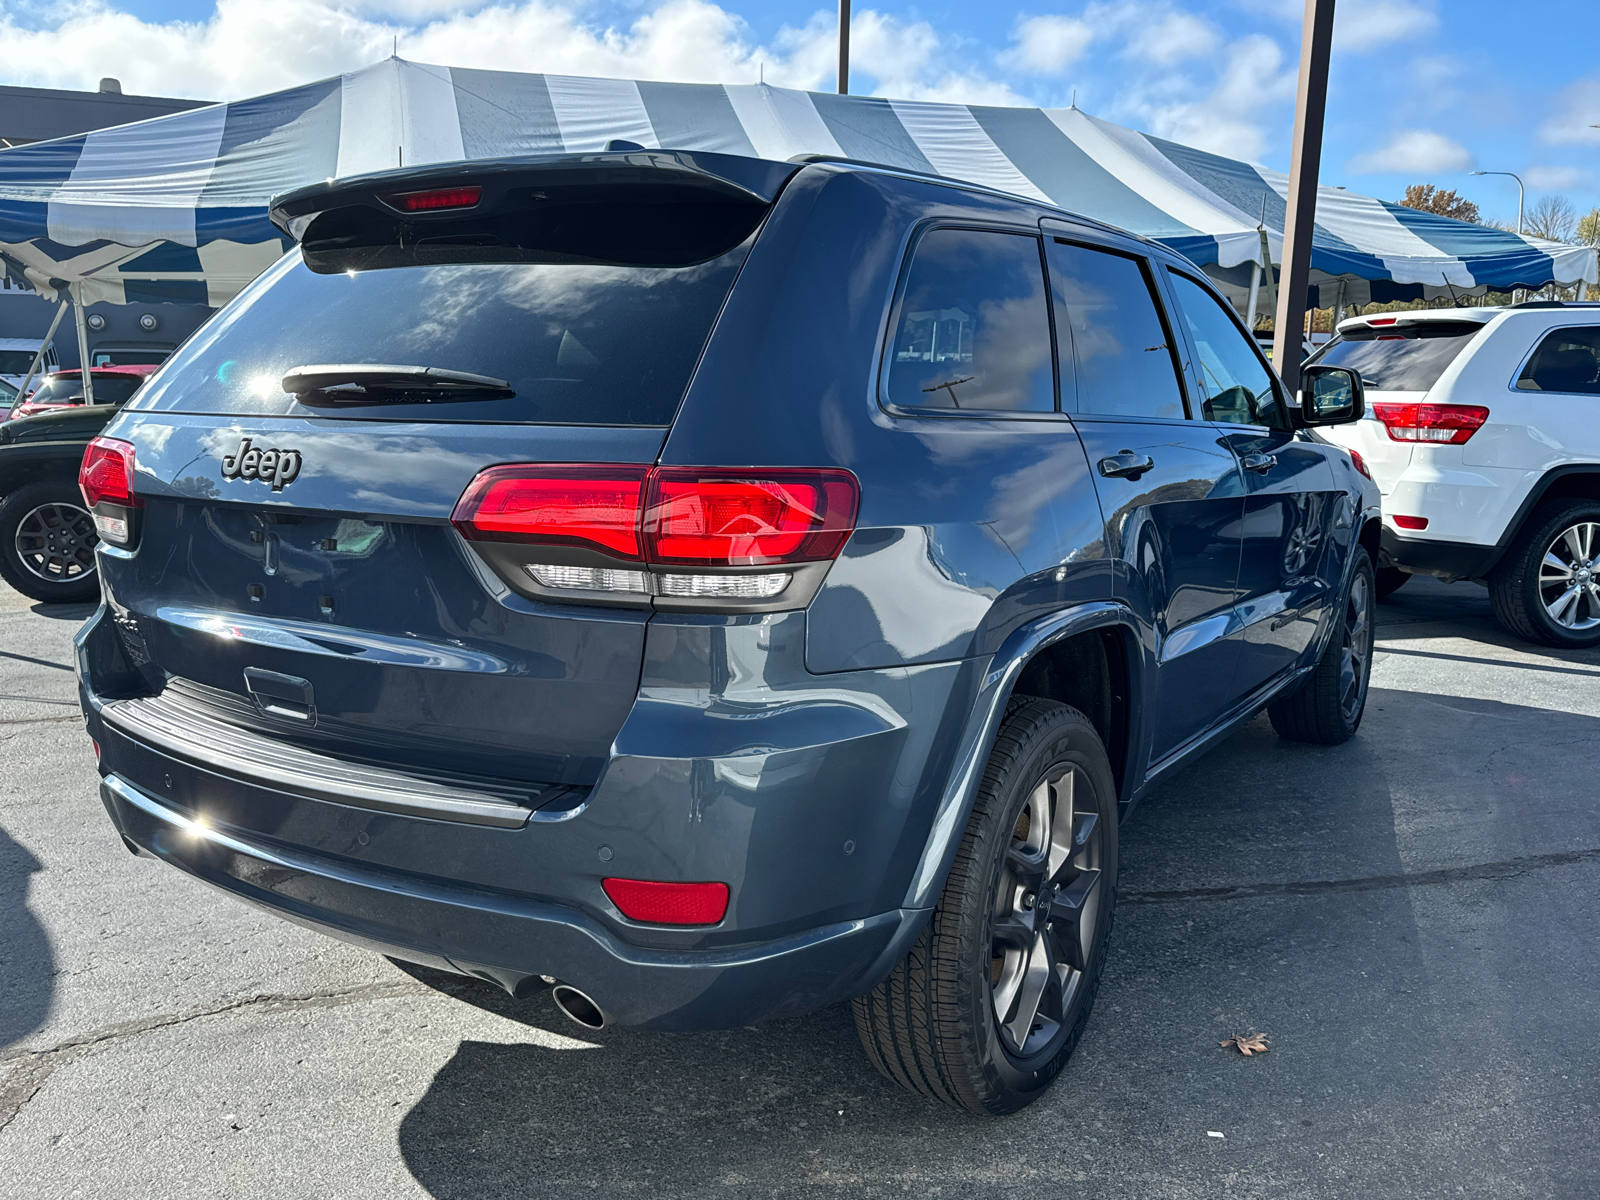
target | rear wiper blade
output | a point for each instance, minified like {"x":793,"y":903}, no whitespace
{"x":389,"y":383}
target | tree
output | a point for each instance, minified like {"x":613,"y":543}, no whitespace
{"x":1589,"y":228}
{"x":1551,"y":217}
{"x":1444,"y":202}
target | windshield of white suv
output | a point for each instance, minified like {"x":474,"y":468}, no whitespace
{"x":1399,"y":358}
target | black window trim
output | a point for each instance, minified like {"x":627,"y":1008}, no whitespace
{"x":1278,"y":389}
{"x":1527,"y":359}
{"x":885,"y":357}
{"x":1163,"y":300}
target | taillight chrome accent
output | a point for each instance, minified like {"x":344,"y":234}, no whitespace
{"x":1440,"y":424}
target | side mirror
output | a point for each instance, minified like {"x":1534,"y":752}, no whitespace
{"x":1330,"y":396}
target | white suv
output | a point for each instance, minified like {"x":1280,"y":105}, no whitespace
{"x":1483,"y":434}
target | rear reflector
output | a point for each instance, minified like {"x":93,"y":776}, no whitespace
{"x":593,"y":505}
{"x":432,"y":201}
{"x":107,"y":473}
{"x":1410,"y":522}
{"x":669,"y":903}
{"x":1443,"y":424}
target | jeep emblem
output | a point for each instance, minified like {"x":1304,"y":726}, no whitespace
{"x":275,"y":467}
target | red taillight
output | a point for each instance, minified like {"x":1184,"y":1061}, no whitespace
{"x":437,"y":198}
{"x":1441,"y":424}
{"x":1410,"y":522}
{"x":669,"y":903}
{"x":748,"y":518}
{"x":1361,"y":463}
{"x":107,"y":473}
{"x":594,"y":505}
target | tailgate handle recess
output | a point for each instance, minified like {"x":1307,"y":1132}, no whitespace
{"x":281,"y":695}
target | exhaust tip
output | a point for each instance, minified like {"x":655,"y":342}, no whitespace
{"x":578,"y":1006}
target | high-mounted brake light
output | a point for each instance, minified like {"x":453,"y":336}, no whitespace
{"x":435,"y":199}
{"x":669,"y":903}
{"x":1381,"y":321}
{"x":1441,"y":424}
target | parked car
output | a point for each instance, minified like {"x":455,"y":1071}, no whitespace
{"x":724,"y":587}
{"x":47,"y":535}
{"x":8,"y":396}
{"x":1480,"y":433}
{"x":64,"y":389}
{"x":17,"y":355}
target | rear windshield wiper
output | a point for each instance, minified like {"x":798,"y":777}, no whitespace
{"x":389,"y":383}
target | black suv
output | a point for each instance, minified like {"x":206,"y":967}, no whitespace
{"x":725,"y":587}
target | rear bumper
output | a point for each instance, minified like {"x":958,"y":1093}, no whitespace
{"x":511,"y":941}
{"x":1449,"y":561}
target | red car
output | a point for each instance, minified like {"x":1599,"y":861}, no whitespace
{"x":64,"y":389}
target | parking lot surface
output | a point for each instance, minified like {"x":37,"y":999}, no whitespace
{"x":1410,"y":919}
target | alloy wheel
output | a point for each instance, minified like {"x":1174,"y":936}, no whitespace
{"x":1357,"y":650}
{"x":55,"y":542}
{"x":1047,"y":905}
{"x":1569,"y":577}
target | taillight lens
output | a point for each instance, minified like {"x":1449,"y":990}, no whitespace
{"x":748,"y":518}
{"x":1361,"y":463}
{"x":594,"y":505}
{"x":107,"y":473}
{"x":669,"y":903}
{"x":1441,"y":424}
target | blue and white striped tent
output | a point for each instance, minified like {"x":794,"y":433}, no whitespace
{"x":174,"y":208}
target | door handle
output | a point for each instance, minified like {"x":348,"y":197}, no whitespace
{"x":1259,"y":462}
{"x":1125,"y":464}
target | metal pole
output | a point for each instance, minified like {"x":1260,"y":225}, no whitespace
{"x":38,"y":359}
{"x":1311,"y":100}
{"x":83,"y":347}
{"x":1255,"y":295}
{"x":844,"y":47}
{"x":1520,"y":193}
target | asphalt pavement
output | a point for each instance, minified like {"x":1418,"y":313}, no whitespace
{"x":1410,"y":919}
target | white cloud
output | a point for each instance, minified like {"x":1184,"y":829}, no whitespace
{"x":1173,"y":37}
{"x":1047,"y":45}
{"x":1555,"y":177}
{"x":1577,"y":112}
{"x":247,"y":47}
{"x":1413,"y":150}
{"x":1250,"y":81}
{"x":1367,"y":24}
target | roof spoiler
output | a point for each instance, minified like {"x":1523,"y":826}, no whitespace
{"x":625,"y":207}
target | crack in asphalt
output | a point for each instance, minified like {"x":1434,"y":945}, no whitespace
{"x":1509,"y":869}
{"x":30,"y":1070}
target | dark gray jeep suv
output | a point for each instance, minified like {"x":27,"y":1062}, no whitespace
{"x":724,"y":587}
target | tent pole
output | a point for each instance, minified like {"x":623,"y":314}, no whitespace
{"x":1305,"y":161}
{"x":1255,"y":295}
{"x":844,"y":47}
{"x":38,"y":359}
{"x":83,"y":347}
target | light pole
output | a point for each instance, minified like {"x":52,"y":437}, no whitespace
{"x":1518,"y":178}
{"x":844,"y":47}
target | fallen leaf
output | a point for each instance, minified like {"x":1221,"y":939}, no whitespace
{"x":1248,"y":1043}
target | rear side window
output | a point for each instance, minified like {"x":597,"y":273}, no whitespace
{"x":1120,"y":362}
{"x":1402,"y":358}
{"x":1238,"y":387}
{"x":1568,"y":360}
{"x":973,"y":333}
{"x":575,"y":343}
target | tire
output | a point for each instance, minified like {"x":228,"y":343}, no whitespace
{"x":1547,"y":588}
{"x":47,"y":543}
{"x":1390,"y":580}
{"x":1328,"y":708}
{"x":945,"y":1024}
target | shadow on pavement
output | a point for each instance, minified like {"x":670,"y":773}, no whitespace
{"x":64,"y":612}
{"x":27,"y":966}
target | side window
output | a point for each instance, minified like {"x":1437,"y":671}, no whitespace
{"x":974,"y":330}
{"x":1238,"y":386}
{"x":1568,"y":360}
{"x":1115,"y":354}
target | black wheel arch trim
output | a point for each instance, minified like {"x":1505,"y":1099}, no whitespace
{"x":983,"y":724}
{"x":1535,"y":497}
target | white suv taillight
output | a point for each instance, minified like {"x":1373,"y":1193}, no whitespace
{"x":1443,"y":424}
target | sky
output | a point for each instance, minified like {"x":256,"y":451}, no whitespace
{"x":1421,"y":91}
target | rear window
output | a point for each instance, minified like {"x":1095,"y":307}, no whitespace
{"x":68,"y":389}
{"x":575,"y":344}
{"x":1402,"y":358}
{"x":15,"y":362}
